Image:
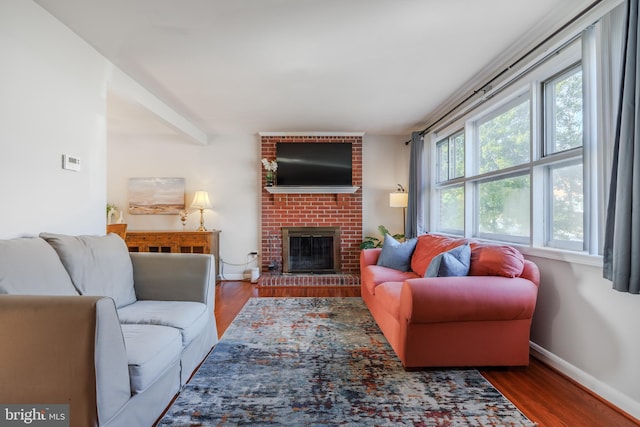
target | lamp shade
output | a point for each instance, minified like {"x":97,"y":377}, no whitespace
{"x":398,"y":199}
{"x":201,"y":200}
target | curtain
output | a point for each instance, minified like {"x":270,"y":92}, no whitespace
{"x":414,"y":223}
{"x":622,"y":231}
{"x":606,"y":38}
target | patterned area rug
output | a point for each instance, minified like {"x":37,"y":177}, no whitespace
{"x":324,"y":362}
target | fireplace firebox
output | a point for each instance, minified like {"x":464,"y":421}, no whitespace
{"x":311,"y":250}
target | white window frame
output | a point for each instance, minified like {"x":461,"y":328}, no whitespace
{"x":548,"y":159}
{"x":449,"y":182}
{"x":511,"y":238}
{"x":489,"y":115}
{"x":601,"y":36}
{"x":450,"y":185}
{"x":537,"y":167}
{"x":548,"y":229}
{"x":549,"y":112}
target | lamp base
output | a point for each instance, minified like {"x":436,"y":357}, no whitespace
{"x":201,"y":228}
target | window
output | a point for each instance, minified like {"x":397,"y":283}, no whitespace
{"x":566,"y":207}
{"x":526,"y":161}
{"x":563,"y":108}
{"x":504,"y":138}
{"x":451,"y":209}
{"x":450,"y":197}
{"x":450,"y":157}
{"x":503,"y":208}
{"x":503,"y":141}
{"x":563,"y":138}
{"x":524,"y":176}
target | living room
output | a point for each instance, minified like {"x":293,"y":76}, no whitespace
{"x":62,"y":96}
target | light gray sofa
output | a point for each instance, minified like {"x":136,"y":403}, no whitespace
{"x":111,"y":333}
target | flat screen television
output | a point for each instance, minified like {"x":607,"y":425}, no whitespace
{"x":313,"y":163}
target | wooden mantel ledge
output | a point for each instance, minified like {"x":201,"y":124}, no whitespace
{"x":313,"y":189}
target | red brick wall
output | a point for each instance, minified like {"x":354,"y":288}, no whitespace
{"x":313,"y":210}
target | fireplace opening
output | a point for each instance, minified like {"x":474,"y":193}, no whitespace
{"x":311,"y":250}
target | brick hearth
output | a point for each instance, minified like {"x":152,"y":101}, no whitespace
{"x":312,"y":210}
{"x":268,"y":279}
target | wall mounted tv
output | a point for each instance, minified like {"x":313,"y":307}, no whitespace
{"x":313,"y":163}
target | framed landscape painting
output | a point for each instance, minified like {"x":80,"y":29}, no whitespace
{"x":156,"y":196}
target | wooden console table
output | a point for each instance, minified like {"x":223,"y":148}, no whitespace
{"x":186,"y":242}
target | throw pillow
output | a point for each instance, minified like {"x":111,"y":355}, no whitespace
{"x":97,"y":265}
{"x":396,"y":255}
{"x":428,"y":247}
{"x":495,"y":260}
{"x":454,"y":262}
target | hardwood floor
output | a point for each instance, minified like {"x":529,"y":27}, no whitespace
{"x":544,"y":395}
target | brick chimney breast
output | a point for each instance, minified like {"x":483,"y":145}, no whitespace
{"x":312,"y":210}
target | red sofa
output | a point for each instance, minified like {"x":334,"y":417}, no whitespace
{"x":482,"y":319}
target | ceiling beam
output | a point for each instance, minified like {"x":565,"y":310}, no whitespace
{"x":127,"y":88}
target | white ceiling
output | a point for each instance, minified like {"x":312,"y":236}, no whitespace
{"x":245,"y":66}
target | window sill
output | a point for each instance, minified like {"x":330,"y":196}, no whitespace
{"x":562,"y":255}
{"x":572,"y":257}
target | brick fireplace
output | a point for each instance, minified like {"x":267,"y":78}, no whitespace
{"x":314,"y":209}
{"x":311,"y":250}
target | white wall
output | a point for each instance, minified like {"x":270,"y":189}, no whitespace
{"x":52,"y":101}
{"x":385,"y":163}
{"x":589,"y":331}
{"x":228,"y":168}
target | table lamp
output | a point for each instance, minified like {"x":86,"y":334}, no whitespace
{"x":201,"y":202}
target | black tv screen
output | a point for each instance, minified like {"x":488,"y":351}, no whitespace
{"x":313,"y":163}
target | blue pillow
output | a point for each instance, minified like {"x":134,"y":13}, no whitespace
{"x":397,"y":255}
{"x":454,"y":262}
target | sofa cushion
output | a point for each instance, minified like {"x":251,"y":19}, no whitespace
{"x":428,"y":246}
{"x":389,"y":296}
{"x":190,"y":318}
{"x":98,"y":265}
{"x":395,"y":254}
{"x":495,"y":260}
{"x":374,"y":275}
{"x":454,"y":262}
{"x":29,"y":266}
{"x":151,"y":350}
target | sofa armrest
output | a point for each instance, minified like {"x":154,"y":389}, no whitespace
{"x":369,"y":256}
{"x":531,"y":272}
{"x":468,"y":298}
{"x":174,"y":277}
{"x":63,"y":350}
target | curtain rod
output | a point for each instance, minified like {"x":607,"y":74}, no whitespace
{"x":487,"y":86}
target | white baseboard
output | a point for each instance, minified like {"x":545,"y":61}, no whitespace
{"x":604,"y":391}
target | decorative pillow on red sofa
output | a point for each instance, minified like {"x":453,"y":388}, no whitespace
{"x":454,"y":262}
{"x":429,"y":246}
{"x":396,"y":255}
{"x":495,"y":260}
